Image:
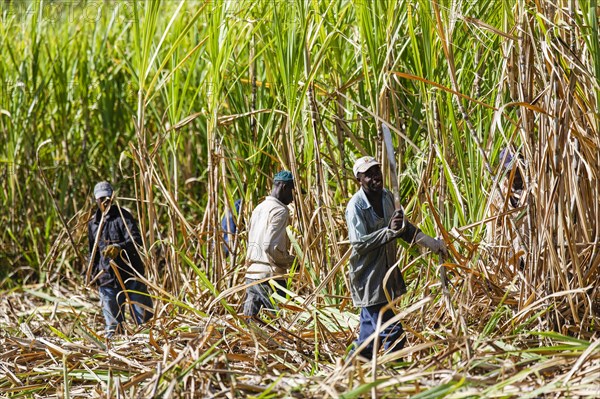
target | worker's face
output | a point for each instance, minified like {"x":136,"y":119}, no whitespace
{"x":372,"y":180}
{"x":287,"y":193}
{"x":103,"y":203}
{"x":517,"y":181}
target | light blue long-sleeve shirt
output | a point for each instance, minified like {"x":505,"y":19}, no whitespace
{"x":373,"y":258}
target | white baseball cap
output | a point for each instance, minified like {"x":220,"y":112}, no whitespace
{"x":363,"y":164}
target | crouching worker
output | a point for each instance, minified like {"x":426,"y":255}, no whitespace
{"x":508,"y":229}
{"x":375,"y":279}
{"x":268,"y":245}
{"x":113,"y":235}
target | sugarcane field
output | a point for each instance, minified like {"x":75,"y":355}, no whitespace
{"x":299,"y":199}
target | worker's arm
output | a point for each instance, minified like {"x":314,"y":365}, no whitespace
{"x":276,"y":239}
{"x":363,"y":241}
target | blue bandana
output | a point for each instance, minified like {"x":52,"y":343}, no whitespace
{"x":284,"y":176}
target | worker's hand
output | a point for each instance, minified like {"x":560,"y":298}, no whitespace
{"x":435,"y":245}
{"x":397,"y":221}
{"x":439,"y":247}
{"x":111,"y":251}
{"x":291,"y":260}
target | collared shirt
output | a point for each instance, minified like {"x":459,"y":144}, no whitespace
{"x":374,"y":276}
{"x":268,"y":243}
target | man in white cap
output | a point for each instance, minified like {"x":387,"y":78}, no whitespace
{"x":375,"y":280}
{"x":117,"y":263}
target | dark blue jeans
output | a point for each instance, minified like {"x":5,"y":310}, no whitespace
{"x":259,"y":296}
{"x":114,"y":301}
{"x":391,"y":337}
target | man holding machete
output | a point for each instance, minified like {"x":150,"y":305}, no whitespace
{"x":113,"y":240}
{"x":374,"y":224}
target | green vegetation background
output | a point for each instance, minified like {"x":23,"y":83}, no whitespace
{"x":187,"y":106}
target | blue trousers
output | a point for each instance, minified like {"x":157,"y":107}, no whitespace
{"x":259,"y":296}
{"x":391,"y":337}
{"x":114,"y":302}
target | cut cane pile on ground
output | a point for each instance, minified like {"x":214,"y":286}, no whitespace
{"x":191,"y":108}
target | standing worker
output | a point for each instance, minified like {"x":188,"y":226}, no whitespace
{"x":373,"y":227}
{"x":116,"y":263}
{"x":230,"y":228}
{"x":268,"y":244}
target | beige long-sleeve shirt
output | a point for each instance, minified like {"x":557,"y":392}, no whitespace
{"x":268,"y":243}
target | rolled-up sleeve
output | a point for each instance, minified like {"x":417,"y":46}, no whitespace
{"x":363,"y":241}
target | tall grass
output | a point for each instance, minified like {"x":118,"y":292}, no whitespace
{"x":188,"y":106}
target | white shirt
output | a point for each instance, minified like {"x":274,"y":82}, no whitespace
{"x":268,"y":244}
